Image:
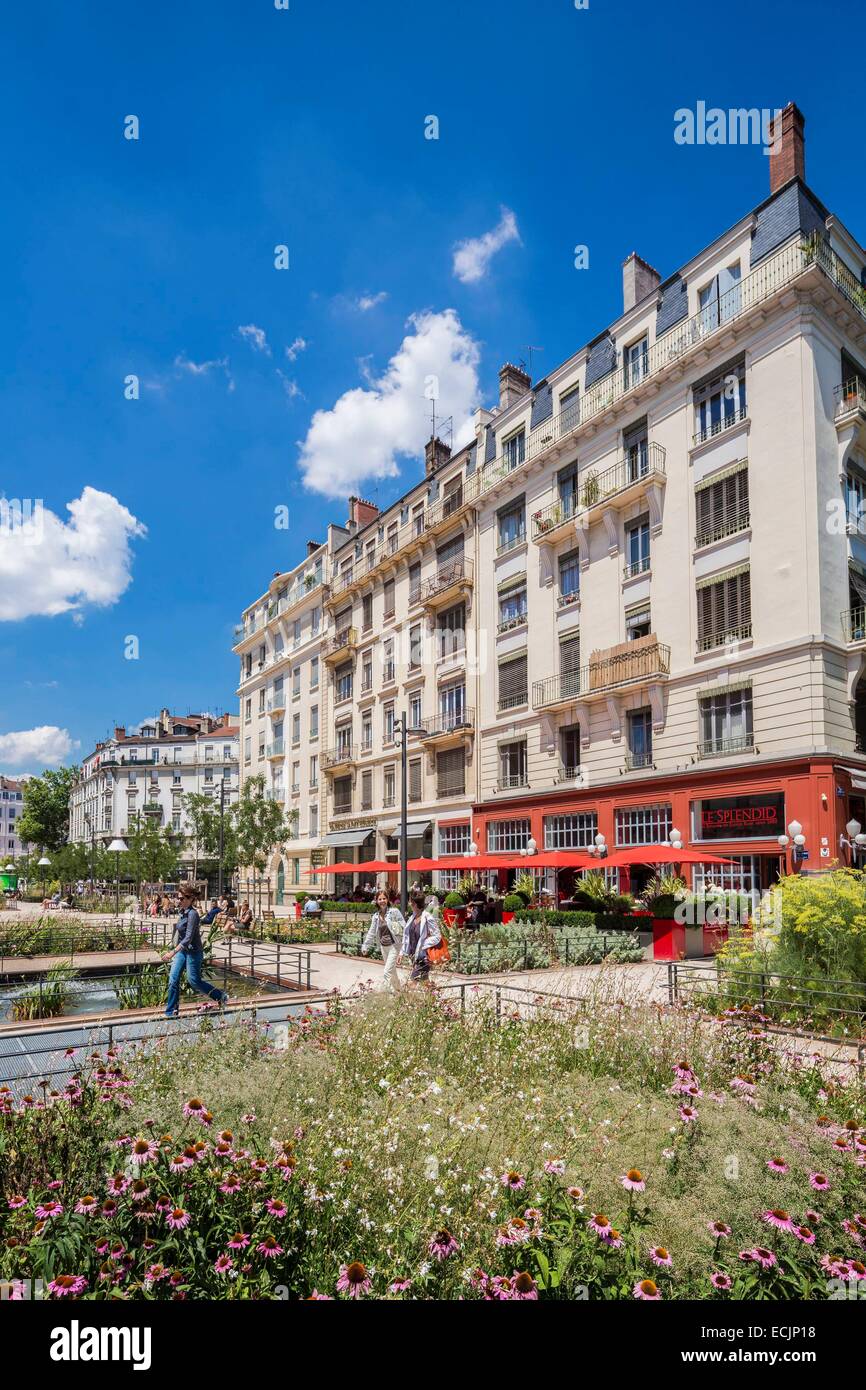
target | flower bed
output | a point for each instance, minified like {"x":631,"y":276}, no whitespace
{"x":522,"y":945}
{"x":401,"y":1151}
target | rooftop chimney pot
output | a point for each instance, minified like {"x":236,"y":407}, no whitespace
{"x":435,"y":454}
{"x":787,"y":147}
{"x":639,"y":279}
{"x":513,"y":383}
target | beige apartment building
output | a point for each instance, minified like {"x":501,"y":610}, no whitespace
{"x":635,"y":601}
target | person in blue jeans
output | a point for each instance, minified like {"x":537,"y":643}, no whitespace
{"x":188,"y":955}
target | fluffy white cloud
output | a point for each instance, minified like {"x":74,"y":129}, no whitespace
{"x":50,"y":566}
{"x":369,"y":301}
{"x":47,"y":746}
{"x":472,"y":257}
{"x":295,"y":348}
{"x":367,"y":429}
{"x":256,"y":337}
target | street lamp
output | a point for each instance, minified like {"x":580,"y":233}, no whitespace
{"x":43,"y":864}
{"x":117,"y":848}
{"x":402,"y":727}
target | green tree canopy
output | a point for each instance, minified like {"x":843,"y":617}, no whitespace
{"x":45,"y":819}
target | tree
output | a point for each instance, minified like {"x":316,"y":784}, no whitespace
{"x":259,"y":825}
{"x":45,"y":818}
{"x":152,"y":853}
{"x":203,"y":815}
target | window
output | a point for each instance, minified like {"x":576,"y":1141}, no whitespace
{"x":389,"y":724}
{"x":314,"y":721}
{"x":248,"y":714}
{"x":367,"y":612}
{"x":512,"y":765}
{"x":314,"y":673}
{"x":514,"y":450}
{"x":296,"y":871}
{"x":720,"y":401}
{"x":418,"y":519}
{"x":247,"y":749}
{"x":296,"y":778}
{"x":569,"y":751}
{"x":513,"y":683}
{"x":742,"y":875}
{"x":569,"y":410}
{"x":638,"y":622}
{"x":296,"y":632}
{"x":314,"y":771}
{"x":131,"y":777}
{"x":452,"y":496}
{"x":450,"y":772}
{"x":724,"y":609}
{"x":314,"y":820}
{"x":343,"y":683}
{"x":640,"y":738}
{"x":503,"y":835}
{"x":415,"y":582}
{"x":344,"y":740}
{"x":569,"y":667}
{"x":569,"y":578}
{"x":452,"y":706}
{"x":262,"y":701}
{"x":388,"y":787}
{"x":367,"y":732}
{"x":208,"y":777}
{"x":720,"y":299}
{"x":855,"y":502}
{"x":296,"y":728}
{"x":366,"y":790}
{"x":637,"y":547}
{"x":454,"y":839}
{"x":511,"y":528}
{"x":415,"y":779}
{"x":388,"y":670}
{"x":722,"y":505}
{"x":452,"y":631}
{"x":342,"y":795}
{"x":566,"y":486}
{"x":393,"y":538}
{"x":570,"y":832}
{"x":296,"y":682}
{"x":512,"y":603}
{"x":642,"y":825}
{"x":636,"y":451}
{"x":315,"y":621}
{"x":726,"y":722}
{"x":389,"y":598}
{"x":635,"y":362}
{"x":416,"y":646}
{"x":415,"y":711}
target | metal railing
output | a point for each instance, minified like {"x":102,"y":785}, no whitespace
{"x":643,"y":465}
{"x":511,"y":781}
{"x":854,"y":624}
{"x":548,"y":520}
{"x":451,"y":723}
{"x":725,"y":422}
{"x":336,"y":757}
{"x":635,"y":761}
{"x":642,"y":664}
{"x":454,"y":573}
{"x":725,"y":637}
{"x":718,"y":747}
{"x":781,"y":1000}
{"x":850,"y":397}
{"x":451,"y":787}
{"x":275,"y":749}
{"x":512,"y":701}
{"x":636,"y":567}
{"x":736,"y":520}
{"x":342,"y":641}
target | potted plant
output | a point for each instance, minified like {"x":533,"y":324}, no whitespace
{"x":661,"y":898}
{"x":511,"y":903}
{"x":590,"y":491}
{"x":454,"y":910}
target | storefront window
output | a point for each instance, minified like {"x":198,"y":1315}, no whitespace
{"x":570,"y":832}
{"x":643,"y":825}
{"x":507,"y":835}
{"x":760,"y":815}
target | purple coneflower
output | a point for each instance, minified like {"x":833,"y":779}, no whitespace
{"x":599,"y":1223}
{"x":442,"y":1244}
{"x":157,"y":1272}
{"x":67,"y":1285}
{"x":194,"y":1109}
{"x":223,"y":1263}
{"x":633,"y":1180}
{"x":779,"y":1218}
{"x":354,"y":1279}
{"x":777,"y":1165}
{"x":760,"y":1256}
{"x":856,"y":1269}
{"x":555,"y":1167}
{"x":239,"y":1241}
{"x":16,"y":1201}
{"x":118,"y":1183}
{"x":514,"y":1181}
{"x":49,"y":1209}
{"x":400,"y":1286}
{"x":661,"y":1256}
{"x":688,"y":1114}
{"x":576,"y":1194}
{"x":138,"y":1190}
{"x":718,"y":1229}
{"x":230,"y":1185}
{"x":86,"y":1206}
{"x":316,"y":1297}
{"x":143,"y":1151}
{"x":720,"y":1280}
{"x":277,"y":1208}
{"x":805,"y":1234}
{"x":819,"y":1182}
{"x":179,"y":1163}
{"x":523,"y":1286}
{"x":269,"y":1247}
{"x":177,"y":1218}
{"x":647,"y":1290}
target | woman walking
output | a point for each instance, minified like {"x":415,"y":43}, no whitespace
{"x":188,"y":955}
{"x":422,"y":932}
{"x":387,"y":927}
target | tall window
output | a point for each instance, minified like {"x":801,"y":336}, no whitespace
{"x":367,"y":612}
{"x":720,"y":401}
{"x":636,"y":449}
{"x":637,"y":547}
{"x":571,"y":831}
{"x":314,"y":721}
{"x":415,"y":711}
{"x":367,"y":732}
{"x":344,"y":740}
{"x":720,"y":299}
{"x":724,"y":609}
{"x":569,"y":578}
{"x":415,"y":779}
{"x":640,"y":738}
{"x":512,"y":603}
{"x":452,"y":705}
{"x":416,"y":645}
{"x":314,"y":771}
{"x":314,"y":673}
{"x":342,"y":795}
{"x":512,"y":764}
{"x":726,"y":723}
{"x":389,"y":724}
{"x":414,"y":582}
{"x":513,"y":683}
{"x":514,"y":450}
{"x":451,"y":772}
{"x":511,"y":527}
{"x":296,"y":682}
{"x":388,"y":669}
{"x":389,"y":598}
{"x":569,"y":751}
{"x":722,"y":506}
{"x":343,"y":683}
{"x":636,"y":362}
{"x":642,"y":825}
{"x":569,"y":410}
{"x":388,"y":786}
{"x":638,"y":622}
{"x":569,"y":667}
{"x":507,"y":835}
{"x":452,"y":631}
{"x":366,"y":789}
{"x":296,"y":728}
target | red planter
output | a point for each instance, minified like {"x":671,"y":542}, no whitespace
{"x":714,"y":939}
{"x":669,"y":939}
{"x":454,"y":916}
{"x":507,"y":917}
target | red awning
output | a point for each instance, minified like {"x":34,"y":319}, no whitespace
{"x":658,"y":854}
{"x":336,"y":869}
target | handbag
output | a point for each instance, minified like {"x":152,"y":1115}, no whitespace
{"x":436,"y":954}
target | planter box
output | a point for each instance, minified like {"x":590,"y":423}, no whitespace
{"x":669,"y":939}
{"x":507,"y":917}
{"x":454,"y":916}
{"x":714,"y":939}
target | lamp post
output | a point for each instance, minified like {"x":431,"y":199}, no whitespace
{"x":401,"y":725}
{"x":798,"y":853}
{"x":89,"y":824}
{"x":222,"y":838}
{"x":117,"y":848}
{"x":43,"y":864}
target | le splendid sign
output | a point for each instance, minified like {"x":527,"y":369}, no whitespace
{"x":759,"y":816}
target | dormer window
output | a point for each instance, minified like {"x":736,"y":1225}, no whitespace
{"x":636,"y":362}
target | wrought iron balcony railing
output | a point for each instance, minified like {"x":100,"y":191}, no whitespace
{"x":854,"y":624}
{"x":546,"y":523}
{"x":725,"y":422}
{"x":454,"y":722}
{"x":337,"y":757}
{"x":638,"y":663}
{"x":456,"y":572}
{"x":341,"y":643}
{"x":728,"y":525}
{"x":850,"y":397}
{"x":720,"y":747}
{"x":724,"y":638}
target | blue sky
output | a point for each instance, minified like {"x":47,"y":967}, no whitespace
{"x":261,"y":127}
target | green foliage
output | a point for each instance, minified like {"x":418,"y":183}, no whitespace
{"x":152,"y":853}
{"x":662,"y":895}
{"x":45,"y":818}
{"x":513,"y":902}
{"x":203,"y":818}
{"x":47,"y":999}
{"x":454,"y":900}
{"x":259,"y":825}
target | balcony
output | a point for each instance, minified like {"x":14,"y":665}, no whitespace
{"x":277,"y":704}
{"x":723,"y":747}
{"x":725,"y":422}
{"x":850,"y":401}
{"x":447,"y":584}
{"x":454,"y":727}
{"x":637,"y":567}
{"x":642,"y":662}
{"x":341,"y":756}
{"x":854,"y":624}
{"x":341,"y":646}
{"x":442,"y":513}
{"x":450,"y":786}
{"x":275,"y":749}
{"x":549,"y":523}
{"x":624,"y":482}
{"x":635,"y":762}
{"x":731,"y":635}
{"x":512,"y":782}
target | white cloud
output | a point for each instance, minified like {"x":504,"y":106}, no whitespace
{"x":291,"y":388}
{"x":367,"y":429}
{"x":295,"y":348}
{"x":47,"y":746}
{"x":369,"y":301}
{"x":256,"y":337}
{"x":472,"y":257}
{"x":49,"y":566}
{"x":220,"y":364}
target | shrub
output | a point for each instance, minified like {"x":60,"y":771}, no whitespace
{"x":454,"y":900}
{"x":662,"y":895}
{"x":513,"y":902}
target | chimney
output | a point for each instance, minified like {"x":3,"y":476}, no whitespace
{"x":361,"y":512}
{"x":638,"y":280}
{"x":787,"y":147}
{"x":435,"y":454}
{"x":119,"y":731}
{"x":312,"y":547}
{"x":513,"y":383}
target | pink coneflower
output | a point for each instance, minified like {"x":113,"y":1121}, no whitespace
{"x":819,"y":1182}
{"x":782,"y":1220}
{"x":513,"y":1232}
{"x":285,"y":1166}
{"x":759,"y":1255}
{"x":269,"y":1247}
{"x":118,"y":1184}
{"x":512,"y":1180}
{"x":442,"y":1244}
{"x":805,"y":1234}
{"x":599,"y":1223}
{"x":534,"y":1216}
{"x":683,"y":1071}
{"x":718,"y":1229}
{"x":239,"y":1241}
{"x":316,"y":1297}
{"x":248,"y":1119}
{"x":222,"y":1148}
{"x":688,"y":1114}
{"x":194,"y":1109}
{"x":720,"y":1280}
{"x":354,"y":1279}
{"x":49,"y":1209}
{"x":54,"y":1185}
{"x":813,"y":1218}
{"x":851,"y":1229}
{"x":138,"y":1189}
{"x":612,"y":1239}
{"x":523,"y":1286}
{"x":576,"y":1194}
{"x":230,"y":1185}
{"x":179,"y":1163}
{"x":277,"y":1208}
{"x":259,"y":1165}
{"x":223,"y":1263}
{"x":777,"y":1165}
{"x":108,"y":1210}
{"x":400,"y":1286}
{"x":116,"y":1251}
{"x":177,"y":1218}
{"x":500,"y":1286}
{"x":661,"y":1256}
{"x":86,"y":1206}
{"x":157,"y":1272}
{"x":16,"y":1201}
{"x":555,"y":1167}
{"x":856,"y":1269}
{"x":633,"y":1180}
{"x":834,"y":1265}
{"x":647,"y":1290}
{"x":143,"y":1151}
{"x":743,"y":1083}
{"x":67,"y":1285}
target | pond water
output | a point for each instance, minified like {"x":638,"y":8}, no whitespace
{"x":92,"y":995}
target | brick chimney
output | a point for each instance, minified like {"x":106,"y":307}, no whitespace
{"x":119,"y":731}
{"x":361,"y":512}
{"x":787,"y":147}
{"x":513,"y":383}
{"x":638,"y":280}
{"x":435,"y":454}
{"x":312,"y":547}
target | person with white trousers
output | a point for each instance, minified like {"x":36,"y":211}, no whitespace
{"x":387,"y":929}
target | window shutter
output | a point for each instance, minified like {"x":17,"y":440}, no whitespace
{"x":512,"y":680}
{"x":448,"y":554}
{"x":415,"y":780}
